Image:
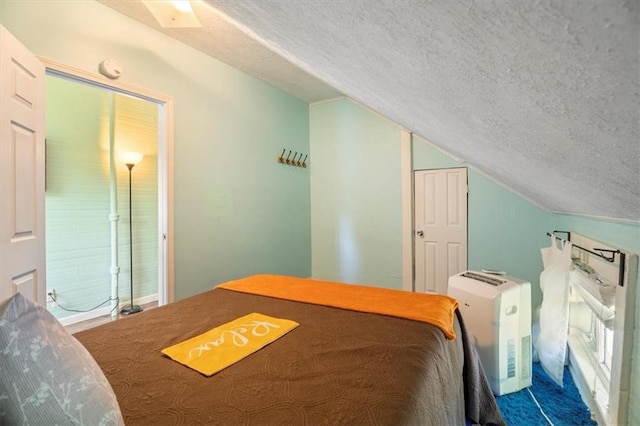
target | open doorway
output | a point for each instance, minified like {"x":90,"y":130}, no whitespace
{"x":88,"y":235}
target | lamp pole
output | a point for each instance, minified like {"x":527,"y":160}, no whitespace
{"x":131,"y":309}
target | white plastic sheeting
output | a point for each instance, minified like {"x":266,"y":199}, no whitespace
{"x":551,"y":343}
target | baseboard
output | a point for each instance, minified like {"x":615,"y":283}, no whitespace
{"x":106,"y":310}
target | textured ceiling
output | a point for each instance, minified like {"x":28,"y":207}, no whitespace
{"x":541,"y":95}
{"x":224,"y":41}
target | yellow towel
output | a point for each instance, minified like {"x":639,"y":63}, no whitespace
{"x":227,"y":344}
{"x":435,"y":309}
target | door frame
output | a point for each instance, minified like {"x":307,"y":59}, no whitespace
{"x":166,"y":291}
{"x":406,"y":178}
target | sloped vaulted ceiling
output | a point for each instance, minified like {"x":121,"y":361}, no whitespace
{"x":541,"y":95}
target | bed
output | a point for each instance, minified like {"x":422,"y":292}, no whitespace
{"x":339,"y":366}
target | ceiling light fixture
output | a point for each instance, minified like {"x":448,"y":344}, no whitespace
{"x":173,"y":13}
{"x":182,"y":5}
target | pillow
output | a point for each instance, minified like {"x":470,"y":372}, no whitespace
{"x":46,"y":375}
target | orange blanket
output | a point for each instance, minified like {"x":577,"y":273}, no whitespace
{"x":435,"y":309}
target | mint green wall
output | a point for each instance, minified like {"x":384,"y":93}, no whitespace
{"x":505,"y":231}
{"x":624,"y":235}
{"x":236,"y":211}
{"x":356,"y":204}
{"x":355,"y":195}
{"x":78,"y":235}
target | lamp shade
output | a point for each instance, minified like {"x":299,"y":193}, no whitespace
{"x":132,"y":158}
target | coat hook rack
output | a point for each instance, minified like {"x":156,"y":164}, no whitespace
{"x":296,"y":160}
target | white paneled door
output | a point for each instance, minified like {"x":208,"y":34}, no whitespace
{"x":22,"y":180}
{"x":440,"y":199}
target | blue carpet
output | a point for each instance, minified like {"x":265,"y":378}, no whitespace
{"x":563,"y":406}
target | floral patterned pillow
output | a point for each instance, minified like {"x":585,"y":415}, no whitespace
{"x":46,"y":375}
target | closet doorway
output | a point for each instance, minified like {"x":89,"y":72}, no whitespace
{"x":90,"y":121}
{"x":440,"y":220}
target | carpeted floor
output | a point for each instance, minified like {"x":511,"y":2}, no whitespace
{"x":563,"y":406}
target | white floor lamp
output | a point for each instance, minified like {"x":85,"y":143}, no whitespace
{"x":131,"y":159}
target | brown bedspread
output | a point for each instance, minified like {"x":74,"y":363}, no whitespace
{"x":337,"y":367}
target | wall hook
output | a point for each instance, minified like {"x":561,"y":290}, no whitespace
{"x":295,"y":160}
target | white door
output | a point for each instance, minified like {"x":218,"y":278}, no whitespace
{"x":22,"y":249}
{"x":440,"y":198}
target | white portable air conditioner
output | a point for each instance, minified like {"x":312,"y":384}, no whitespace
{"x":496,"y":311}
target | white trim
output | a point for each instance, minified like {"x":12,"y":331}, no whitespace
{"x":437,"y":148}
{"x":76,"y":74}
{"x":609,"y":219}
{"x":363,"y":106}
{"x":114,"y":217}
{"x":166,"y":291}
{"x":380,"y":115}
{"x":406,"y":178}
{"x":324,"y":101}
{"x":104,"y":311}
